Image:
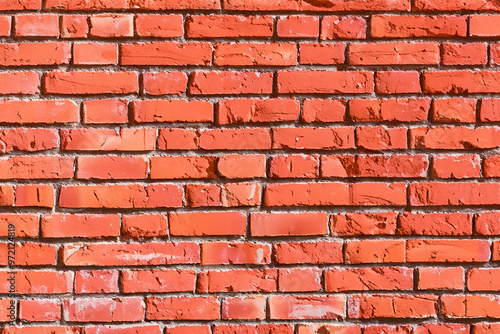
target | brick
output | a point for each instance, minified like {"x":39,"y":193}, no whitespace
{"x":306,"y":194}
{"x":177,"y":139}
{"x":460,"y":82}
{"x":322,"y":53}
{"x":36,"y":167}
{"x":235,"y":139}
{"x":440,"y":193}
{"x":27,"y":225}
{"x":447,"y":250}
{"x":394,"y":53}
{"x":320,"y":110}
{"x":343,"y":27}
{"x":454,"y":110}
{"x":39,"y":310}
{"x":457,"y":137}
{"x":432,"y":6}
{"x":483,"y":279}
{"x":21,"y":5}
{"x":241,"y":194}
{"x":35,"y":195}
{"x":294,"y":166}
{"x":484,"y":25}
{"x":313,"y":138}
{"x":298,"y":27}
{"x":456,"y":167}
{"x":182,"y":167}
{"x":385,"y":26}
{"x":47,"y":329}
{"x":399,"y":110}
{"x":331,"y":6}
{"x":229,"y":26}
{"x":32,"y":254}
{"x":95,"y":54}
{"x":397,"y":82}
{"x":253,"y":54}
{"x":207,"y":223}
{"x":205,"y":329}
{"x":252,"y":329}
{"x":165,"y":53}
{"x":28,"y":140}
{"x":111,"y":25}
{"x":242,"y":166}
{"x":121,"y":196}
{"x":144,"y":226}
{"x":478,"y":306}
{"x":230,"y":83}
{"x":490,"y":110}
{"x":374,"y":251}
{"x":33,"y":54}
{"x":322,"y":82}
{"x":149,"y":111}
{"x":74,"y":26}
{"x":368,"y":279}
{"x":27,"y":83}
{"x":175,"y":4}
{"x":6,"y":195}
{"x":105,"y":111}
{"x":288,"y":224}
{"x":203,"y":195}
{"x":91,"y":5}
{"x":104,"y":309}
{"x":43,"y":25}
{"x":234,"y":253}
{"x":486,"y":223}
{"x":485,"y":328}
{"x":242,"y":280}
{"x":90,"y":83}
{"x":129,"y":254}
{"x":252,"y":308}
{"x":464,"y":54}
{"x":381,"y":137}
{"x":127,"y":139}
{"x":491,"y":166}
{"x":239,"y":111}
{"x":373,"y":194}
{"x":166,"y":26}
{"x":96,"y":281}
{"x":433,"y":278}
{"x":320,"y":252}
{"x":164,"y":83}
{"x":119,"y":167}
{"x":81,"y":225}
{"x":340,"y":329}
{"x":5,"y":25}
{"x":393,"y":306}
{"x":495,"y":54}
{"x":300,"y":279}
{"x":35,"y":281}
{"x":153,"y":329}
{"x":307,"y":307}
{"x":435,"y":224}
{"x":183,"y":308}
{"x":380,"y":223}
{"x":134,"y":281}
{"x":38,"y":111}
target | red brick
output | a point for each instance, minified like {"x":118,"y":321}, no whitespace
{"x":385,"y":26}
{"x":104,"y":309}
{"x":392,"y":306}
{"x":31,"y":254}
{"x":242,"y":280}
{"x":447,"y":250}
{"x":394,"y":53}
{"x":31,"y":54}
{"x":300,"y":279}
{"x":38,"y":111}
{"x":21,"y":5}
{"x":487,"y":223}
{"x":288,"y":224}
{"x":253,"y":54}
{"x":457,"y":137}
{"x":484,"y":25}
{"x":36,"y":167}
{"x":6,"y":195}
{"x":397,"y":82}
{"x":153,"y":329}
{"x":182,"y":167}
{"x":74,"y":26}
{"x":90,"y":5}
{"x":432,"y":278}
{"x":322,"y":53}
{"x":44,"y":25}
{"x":166,"y":26}
{"x":167,"y":111}
{"x":490,"y":110}
{"x":205,"y":329}
{"x":134,"y":281}
{"x":39,"y":310}
{"x":166,"y":53}
{"x":294,"y":166}
{"x":95,"y":54}
{"x":129,"y":254}
{"x":44,"y":281}
{"x":374,"y":194}
{"x":454,"y":110}
{"x":401,"y":110}
{"x":257,"y":110}
{"x":242,"y":166}
{"x":460,"y":82}
{"x":470,"y":306}
{"x":456,"y":166}
{"x":464,"y":54}
{"x":307,"y":307}
{"x":337,"y":329}
{"x":44,"y":329}
{"x":107,"y":167}
{"x":381,"y":137}
{"x":165,"y":83}
{"x":374,"y":251}
{"x":457,"y":193}
{"x":485,"y":328}
{"x":491,"y":166}
{"x":96,"y":281}
{"x":495,"y":54}
{"x":178,"y":139}
{"x":81,"y":225}
{"x":121,"y":196}
{"x":313,"y":138}
{"x":127,"y":139}
{"x":251,"y":308}
{"x":35,"y":195}
{"x":235,"y":253}
{"x":367,"y":279}
{"x":435,"y":224}
{"x":207,"y":223}
{"x":141,"y":226}
{"x":228,"y":83}
{"x":298,"y":26}
{"x":26,"y":225}
{"x":432,"y":6}
{"x":320,"y":252}
{"x":483,"y":279}
{"x":241,"y":194}
{"x":28,"y":140}
{"x":379,"y":223}
{"x":331,"y":6}
{"x":319,"y":110}
{"x":235,"y":139}
{"x":252,"y":329}
{"x":343,"y":27}
{"x":90,"y":83}
{"x":306,"y":194}
{"x":323,"y":82}
{"x":111,"y":25}
{"x":229,"y":26}
{"x":175,"y":4}
{"x":27,"y":83}
{"x":105,"y":111}
{"x":183,"y":308}
{"x":203,"y":195}
{"x":5,"y":25}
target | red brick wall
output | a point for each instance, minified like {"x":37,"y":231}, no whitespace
{"x":250,"y":166}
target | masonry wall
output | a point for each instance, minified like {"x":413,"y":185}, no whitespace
{"x":249,"y":166}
